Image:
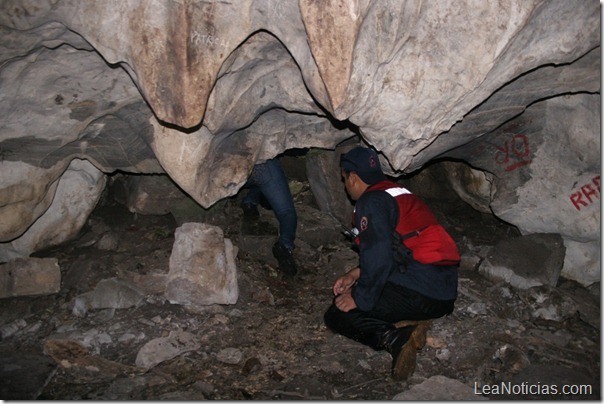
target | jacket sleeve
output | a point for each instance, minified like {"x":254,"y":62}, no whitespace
{"x":375,"y":221}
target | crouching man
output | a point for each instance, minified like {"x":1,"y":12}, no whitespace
{"x":407,"y":266}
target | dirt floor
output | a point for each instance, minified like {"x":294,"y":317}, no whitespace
{"x":272,"y":344}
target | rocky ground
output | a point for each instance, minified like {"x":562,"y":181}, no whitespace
{"x":272,"y":344}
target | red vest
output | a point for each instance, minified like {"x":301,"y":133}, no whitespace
{"x":421,"y":232}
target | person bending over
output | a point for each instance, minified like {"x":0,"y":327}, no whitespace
{"x":269,"y":181}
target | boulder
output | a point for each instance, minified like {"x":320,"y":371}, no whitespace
{"x":525,"y":261}
{"x":112,"y":293}
{"x":72,"y":200}
{"x":30,"y":277}
{"x":162,"y":349}
{"x":202,"y":267}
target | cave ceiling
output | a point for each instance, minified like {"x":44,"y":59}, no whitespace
{"x":203,"y":90}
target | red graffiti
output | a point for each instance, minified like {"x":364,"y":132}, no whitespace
{"x":518,"y":147}
{"x":587,"y":194}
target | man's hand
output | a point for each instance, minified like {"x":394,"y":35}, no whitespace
{"x":345,"y":302}
{"x":342,"y":289}
{"x":345,"y":282}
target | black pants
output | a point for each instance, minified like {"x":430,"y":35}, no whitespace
{"x":397,"y":303}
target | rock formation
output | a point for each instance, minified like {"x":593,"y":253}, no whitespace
{"x":204,"y":90}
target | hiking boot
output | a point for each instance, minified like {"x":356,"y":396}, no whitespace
{"x":285,"y":257}
{"x":401,"y":346}
{"x":419,"y":335}
{"x":250,"y":211}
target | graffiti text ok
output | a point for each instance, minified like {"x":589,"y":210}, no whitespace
{"x":514,"y":154}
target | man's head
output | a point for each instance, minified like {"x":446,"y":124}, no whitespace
{"x":365,"y":162}
{"x":360,"y":169}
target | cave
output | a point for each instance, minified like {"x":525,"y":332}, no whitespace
{"x":131,"y":128}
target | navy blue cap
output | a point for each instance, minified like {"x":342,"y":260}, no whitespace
{"x":365,"y":162}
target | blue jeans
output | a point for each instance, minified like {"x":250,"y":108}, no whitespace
{"x":268,"y":179}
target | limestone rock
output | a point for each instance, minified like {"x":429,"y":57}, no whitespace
{"x":6,"y":330}
{"x":76,"y":195}
{"x":317,"y":228}
{"x":473,"y":186}
{"x":63,"y":113}
{"x":202,"y":267}
{"x":30,"y":277}
{"x":148,"y":194}
{"x":325,"y":179}
{"x":526,"y":261}
{"x":231,"y":356}
{"x":162,"y":349}
{"x":582,"y":262}
{"x":513,"y":358}
{"x":112,"y":293}
{"x":83,"y":366}
{"x":439,"y":388}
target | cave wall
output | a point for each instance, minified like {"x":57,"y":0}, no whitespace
{"x":204,"y":90}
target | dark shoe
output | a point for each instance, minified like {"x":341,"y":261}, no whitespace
{"x":287,"y":265}
{"x":250,"y":211}
{"x":401,"y":346}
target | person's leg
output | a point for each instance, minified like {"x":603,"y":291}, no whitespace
{"x":357,"y":325}
{"x":259,"y":175}
{"x":399,"y":303}
{"x":275,"y":189}
{"x":253,"y":196}
{"x":376,"y":328}
{"x":395,"y":304}
{"x":250,"y":202}
{"x":272,"y":183}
